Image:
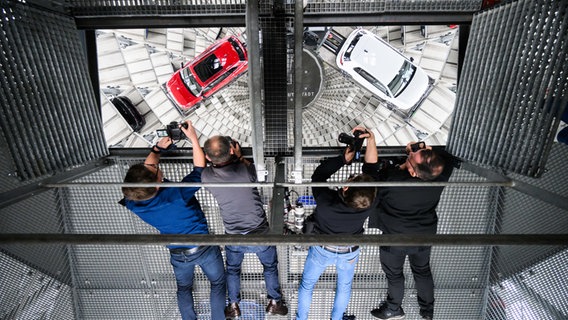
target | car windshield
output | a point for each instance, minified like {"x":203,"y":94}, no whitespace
{"x":190,"y":82}
{"x":402,"y":79}
{"x":238,"y":49}
{"x":352,"y":45}
{"x":372,"y":80}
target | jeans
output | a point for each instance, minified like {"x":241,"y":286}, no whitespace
{"x":269,"y":259}
{"x":317,"y":261}
{"x":211,"y":262}
{"x":392,"y":262}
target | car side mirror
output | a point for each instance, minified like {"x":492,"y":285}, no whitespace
{"x":411,"y":59}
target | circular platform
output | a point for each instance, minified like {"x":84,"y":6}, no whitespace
{"x":312,"y":79}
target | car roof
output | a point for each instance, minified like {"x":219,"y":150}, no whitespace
{"x":205,"y":68}
{"x":376,"y":57}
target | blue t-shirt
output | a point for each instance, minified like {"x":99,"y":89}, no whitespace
{"x":173,"y":210}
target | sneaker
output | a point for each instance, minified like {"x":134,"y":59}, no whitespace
{"x":276,"y":307}
{"x":348,"y":317}
{"x":383,"y":312}
{"x":232,"y":311}
{"x":428,"y":315}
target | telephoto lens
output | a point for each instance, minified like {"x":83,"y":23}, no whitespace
{"x":346,"y":138}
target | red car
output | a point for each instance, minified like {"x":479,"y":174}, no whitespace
{"x":221,"y":63}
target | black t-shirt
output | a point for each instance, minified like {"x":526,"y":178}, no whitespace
{"x":332,"y":215}
{"x":405,"y":210}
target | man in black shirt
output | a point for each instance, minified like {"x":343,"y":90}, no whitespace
{"x":408,"y":210}
{"x":342,"y":211}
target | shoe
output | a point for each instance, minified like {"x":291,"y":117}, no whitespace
{"x":426,"y":315}
{"x":276,"y":307}
{"x":347,"y":317}
{"x":232,"y":311}
{"x":383,"y":312}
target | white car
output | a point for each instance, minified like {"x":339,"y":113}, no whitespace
{"x":383,"y":70}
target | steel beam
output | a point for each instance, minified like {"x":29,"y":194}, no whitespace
{"x":10,"y":197}
{"x":536,"y":192}
{"x":160,"y":21}
{"x":383,"y":19}
{"x":255,"y":85}
{"x":277,"y":203}
{"x":103,"y":185}
{"x":293,"y":239}
{"x":298,"y":89}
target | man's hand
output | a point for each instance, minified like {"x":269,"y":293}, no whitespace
{"x":422,"y":145}
{"x":164,"y":143}
{"x":190,"y":131}
{"x":368,"y":134}
{"x":349,"y":155}
{"x":236,"y":147}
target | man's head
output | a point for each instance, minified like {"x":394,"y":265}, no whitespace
{"x":359,"y":197}
{"x":218,"y":149}
{"x":142,"y":173}
{"x":425,"y":164}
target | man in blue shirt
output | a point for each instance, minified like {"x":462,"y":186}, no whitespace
{"x":176,"y":211}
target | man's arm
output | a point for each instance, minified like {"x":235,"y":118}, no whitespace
{"x":371,"y":166}
{"x":198,"y":155}
{"x":371,"y":154}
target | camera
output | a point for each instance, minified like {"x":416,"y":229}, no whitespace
{"x":417,"y":146}
{"x":231,"y":141}
{"x":173,"y":131}
{"x":354,"y":142}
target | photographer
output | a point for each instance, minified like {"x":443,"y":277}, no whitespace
{"x":174,"y":210}
{"x":337,"y":212}
{"x":407,"y":210}
{"x":243,"y":213}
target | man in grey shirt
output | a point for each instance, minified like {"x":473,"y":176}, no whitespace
{"x":243,"y":213}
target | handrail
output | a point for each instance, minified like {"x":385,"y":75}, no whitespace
{"x":292,"y":239}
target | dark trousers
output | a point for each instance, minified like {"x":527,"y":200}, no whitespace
{"x":392,"y":262}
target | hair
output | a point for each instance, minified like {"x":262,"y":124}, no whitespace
{"x":138,"y":173}
{"x":431,"y":165}
{"x":360,"y":197}
{"x":218,"y":149}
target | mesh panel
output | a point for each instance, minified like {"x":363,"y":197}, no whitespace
{"x":513,"y":86}
{"x":554,"y":177}
{"x":535,"y":292}
{"x":27,"y":293}
{"x":46,"y":93}
{"x":275,"y":97}
{"x":382,"y":6}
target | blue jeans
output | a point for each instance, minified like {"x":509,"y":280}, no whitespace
{"x":317,"y":261}
{"x":269,"y":260}
{"x":211,"y":262}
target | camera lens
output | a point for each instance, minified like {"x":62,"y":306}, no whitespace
{"x":346,"y":138}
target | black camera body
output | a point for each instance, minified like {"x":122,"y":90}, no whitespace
{"x":173,"y":131}
{"x":354,"y":142}
{"x":231,"y":141}
{"x":417,"y":146}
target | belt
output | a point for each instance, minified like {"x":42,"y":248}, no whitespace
{"x":186,"y":251}
{"x":339,"y":249}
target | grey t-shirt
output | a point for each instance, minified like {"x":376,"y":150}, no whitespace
{"x":241,"y":208}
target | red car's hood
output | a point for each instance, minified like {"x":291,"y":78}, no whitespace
{"x":180,"y":93}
